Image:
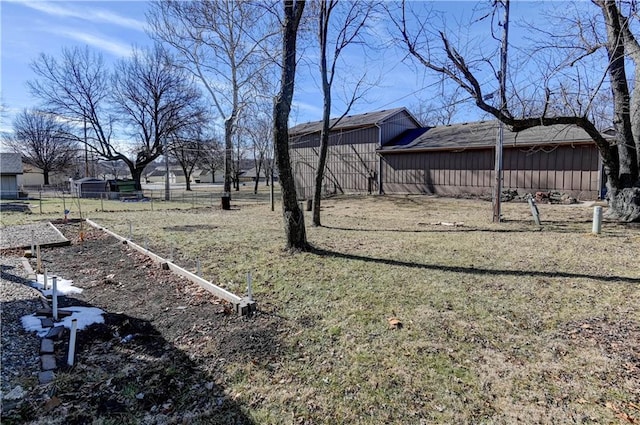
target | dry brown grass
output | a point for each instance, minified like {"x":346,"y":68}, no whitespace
{"x":502,"y":323}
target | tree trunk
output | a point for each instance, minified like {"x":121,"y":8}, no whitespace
{"x":45,"y":174}
{"x":136,"y":174}
{"x":292,"y":214}
{"x":624,"y":204}
{"x":258,"y":169}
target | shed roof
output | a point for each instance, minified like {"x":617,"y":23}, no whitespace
{"x":482,"y":134}
{"x":351,"y":121}
{"x":10,"y":163}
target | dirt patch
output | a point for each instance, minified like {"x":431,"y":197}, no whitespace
{"x":162,"y":351}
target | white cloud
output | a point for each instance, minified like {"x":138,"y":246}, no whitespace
{"x":115,"y":47}
{"x":85,"y":13}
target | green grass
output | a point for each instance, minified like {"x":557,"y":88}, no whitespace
{"x":493,"y":314}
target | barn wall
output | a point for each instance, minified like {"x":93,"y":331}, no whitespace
{"x":568,"y":169}
{"x":350,"y":168}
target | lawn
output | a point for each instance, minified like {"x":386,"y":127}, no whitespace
{"x":499,"y":323}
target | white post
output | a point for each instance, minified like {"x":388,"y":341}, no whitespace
{"x":54,"y":297}
{"x":33,"y":242}
{"x":172,"y":252}
{"x":198,"y":270}
{"x":72,"y":342}
{"x":146,"y":244}
{"x":597,"y":220}
{"x":44,"y":278}
{"x":249,"y":288}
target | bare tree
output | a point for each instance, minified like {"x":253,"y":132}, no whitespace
{"x":221,"y":42}
{"x":43,"y":141}
{"x":337,"y":29}
{"x":212,"y":155}
{"x":568,"y":87}
{"x":258,"y":126}
{"x":187,"y":148}
{"x":158,"y":102}
{"x":76,"y":87}
{"x":293,"y":216}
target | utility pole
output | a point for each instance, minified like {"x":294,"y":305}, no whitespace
{"x":503,"y":106}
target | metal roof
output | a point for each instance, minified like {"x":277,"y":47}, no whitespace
{"x":10,"y":163}
{"x":483,"y":134}
{"x":350,"y":121}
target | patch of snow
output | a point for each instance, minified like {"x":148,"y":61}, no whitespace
{"x":64,"y":286}
{"x":86,"y":316}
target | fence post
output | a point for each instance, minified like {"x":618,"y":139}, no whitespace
{"x":40,"y":193}
{"x":102,"y":202}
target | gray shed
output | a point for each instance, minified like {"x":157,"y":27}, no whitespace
{"x":89,"y":187}
{"x":10,"y":169}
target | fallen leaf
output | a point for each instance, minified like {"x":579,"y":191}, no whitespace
{"x":52,"y":403}
{"x":394,"y":323}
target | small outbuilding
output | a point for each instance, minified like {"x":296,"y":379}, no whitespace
{"x":89,"y":187}
{"x":10,"y":170}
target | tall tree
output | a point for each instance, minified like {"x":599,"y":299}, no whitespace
{"x":292,"y":214}
{"x":222,"y":43}
{"x":337,"y":29}
{"x":570,"y":86}
{"x":158,"y":102}
{"x":76,"y":88}
{"x":212,"y":158}
{"x":43,"y":141}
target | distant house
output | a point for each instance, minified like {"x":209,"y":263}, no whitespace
{"x":459,"y":159}
{"x":390,"y":152}
{"x":10,"y":171}
{"x":353,"y":164}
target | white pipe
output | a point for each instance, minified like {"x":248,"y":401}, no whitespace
{"x":54,"y":297}
{"x":45,"y":282}
{"x":72,"y":342}
{"x":249,"y":288}
{"x":597,"y":220}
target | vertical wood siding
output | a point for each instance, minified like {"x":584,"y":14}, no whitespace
{"x":568,"y":169}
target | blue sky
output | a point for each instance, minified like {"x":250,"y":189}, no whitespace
{"x":33,"y":27}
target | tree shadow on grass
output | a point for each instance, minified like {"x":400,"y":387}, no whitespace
{"x":474,"y":270}
{"x":439,"y":229}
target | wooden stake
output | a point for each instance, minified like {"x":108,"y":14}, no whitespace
{"x":38,"y":260}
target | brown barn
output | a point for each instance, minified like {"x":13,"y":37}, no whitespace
{"x":352,"y":162}
{"x":390,"y":152}
{"x":459,"y":159}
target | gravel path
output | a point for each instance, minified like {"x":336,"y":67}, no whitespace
{"x":20,"y":350}
{"x":20,"y":236}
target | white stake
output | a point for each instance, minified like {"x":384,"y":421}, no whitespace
{"x":597,"y":220}
{"x":198,"y":271}
{"x":72,"y":342}
{"x":249,"y":288}
{"x":44,"y":280}
{"x":54,"y":297}
{"x":33,"y":243}
{"x":146,"y":243}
